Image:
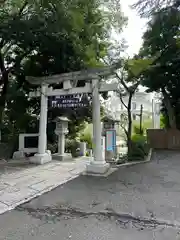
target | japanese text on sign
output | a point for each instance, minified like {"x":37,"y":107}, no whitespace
{"x":70,"y":101}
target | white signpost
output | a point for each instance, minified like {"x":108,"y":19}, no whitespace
{"x":94,"y":86}
{"x":155,"y":114}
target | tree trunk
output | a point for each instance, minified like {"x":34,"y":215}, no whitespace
{"x":4,"y":82}
{"x":170,"y":109}
{"x":129,"y":131}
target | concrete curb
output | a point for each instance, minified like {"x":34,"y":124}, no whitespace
{"x":148,"y":159}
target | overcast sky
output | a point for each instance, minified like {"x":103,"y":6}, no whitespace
{"x":134,"y":30}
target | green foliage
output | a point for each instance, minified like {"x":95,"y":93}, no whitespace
{"x":45,"y":38}
{"x":138,"y":138}
{"x":86,"y":137}
{"x":161,"y":40}
{"x":147,"y":123}
{"x":138,"y":66}
{"x":114,"y":18}
{"x":72,"y":146}
{"x":147,"y":8}
{"x":52,"y":147}
{"x":139,"y":148}
{"x":164,"y":122}
{"x":137,"y":130}
{"x":40,"y":38}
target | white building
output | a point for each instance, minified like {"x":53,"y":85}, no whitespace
{"x":148,"y":101}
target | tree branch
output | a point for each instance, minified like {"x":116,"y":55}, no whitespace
{"x":1,"y":43}
{"x":15,"y":65}
{"x":2,"y":66}
{"x":6,"y":47}
{"x":124,"y":129}
{"x":122,"y":82}
{"x":18,"y":61}
{"x":121,"y":98}
{"x":22,"y":8}
{"x":122,"y":123}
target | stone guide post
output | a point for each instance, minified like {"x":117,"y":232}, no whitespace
{"x":82,"y":147}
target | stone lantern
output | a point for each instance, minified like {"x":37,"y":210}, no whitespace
{"x":108,"y":123}
{"x":61,"y":130}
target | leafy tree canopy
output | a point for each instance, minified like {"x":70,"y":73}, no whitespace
{"x":161,"y":40}
{"x":40,"y":38}
{"x":148,"y":7}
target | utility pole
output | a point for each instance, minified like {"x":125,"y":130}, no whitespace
{"x":141,"y":114}
{"x":153,"y":120}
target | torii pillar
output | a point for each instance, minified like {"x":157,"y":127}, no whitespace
{"x":43,"y":155}
{"x":98,"y":165}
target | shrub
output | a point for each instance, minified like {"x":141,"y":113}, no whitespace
{"x":72,"y":146}
{"x":139,"y":148}
{"x":53,"y":147}
{"x":68,"y":144}
{"x":87,"y":138}
{"x":137,"y":138}
{"x":138,"y":131}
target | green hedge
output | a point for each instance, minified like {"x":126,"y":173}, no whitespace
{"x":87,"y":138}
{"x":139,"y":148}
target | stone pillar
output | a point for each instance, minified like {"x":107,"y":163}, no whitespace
{"x":61,"y":144}
{"x":98,"y":165}
{"x":157,"y":121}
{"x":157,"y":115}
{"x":61,"y":155}
{"x":82,"y":146}
{"x":43,"y":155}
{"x":43,"y":122}
{"x":96,"y":122}
{"x":153,"y":115}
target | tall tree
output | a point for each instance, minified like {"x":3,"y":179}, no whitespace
{"x":148,"y":7}
{"x":45,"y":38}
{"x":129,"y":79}
{"x":162,"y":40}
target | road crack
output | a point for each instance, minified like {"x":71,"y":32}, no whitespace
{"x":57,"y":213}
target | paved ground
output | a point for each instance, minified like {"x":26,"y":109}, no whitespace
{"x":138,"y":202}
{"x":20,"y":182}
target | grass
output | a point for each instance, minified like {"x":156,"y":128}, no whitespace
{"x":88,"y":129}
{"x":146,"y":124}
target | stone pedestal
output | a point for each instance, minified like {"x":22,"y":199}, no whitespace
{"x":64,"y":157}
{"x":18,"y":155}
{"x":110,"y":156}
{"x":98,"y":168}
{"x":40,"y":159}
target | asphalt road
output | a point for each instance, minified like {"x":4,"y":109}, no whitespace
{"x":139,"y":202}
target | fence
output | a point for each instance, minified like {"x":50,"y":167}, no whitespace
{"x":164,"y":139}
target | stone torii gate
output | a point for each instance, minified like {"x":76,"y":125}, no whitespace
{"x":69,"y":80}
